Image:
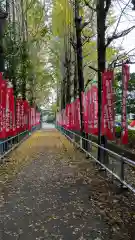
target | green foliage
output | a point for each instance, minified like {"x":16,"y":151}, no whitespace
{"x":131,"y":136}
{"x":129,"y":121}
{"x":23,"y":48}
{"x":118,"y":129}
{"x":131,"y":93}
{"x":54,"y":107}
{"x":35,"y":51}
{"x":63,"y":28}
{"x":50,"y":118}
{"x":62,"y":17}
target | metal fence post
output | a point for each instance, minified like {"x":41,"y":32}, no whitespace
{"x":122,"y":172}
{"x":1,"y":148}
{"x":18,"y":138}
{"x":104,"y":154}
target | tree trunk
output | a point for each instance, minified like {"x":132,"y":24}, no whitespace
{"x":68,"y":66}
{"x":75,"y":81}
{"x":63,"y":104}
{"x":101,"y":19}
{"x":75,"y":69}
{"x":3,"y":17}
{"x":13,"y":78}
{"x":79,"y":60}
{"x":23,"y":52}
{"x":68,"y":82}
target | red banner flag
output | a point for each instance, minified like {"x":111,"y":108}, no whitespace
{"x":125,"y":79}
{"x":86,"y":113}
{"x":22,"y":117}
{"x":29,"y":117}
{"x":77,"y":114}
{"x":84,"y":109}
{"x":67,"y":116}
{"x":72,"y":115}
{"x":3,"y":86}
{"x":89,"y":111}
{"x":32,"y":116}
{"x":37,"y":118}
{"x":1,"y":108}
{"x":13,"y":132}
{"x":107,"y":105}
{"x":26,"y":114}
{"x":64,"y":118}
{"x":9,"y":112}
{"x":95,"y":109}
{"x":18,"y":117}
{"x":92,"y":109}
{"x":31,"y":120}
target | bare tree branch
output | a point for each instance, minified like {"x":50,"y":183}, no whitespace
{"x":122,"y":11}
{"x":118,"y":35}
{"x":94,"y":69}
{"x":123,"y":56}
{"x":84,"y":25}
{"x":87,"y":83}
{"x":89,"y":6}
{"x":86,"y":39}
{"x":127,"y":62}
{"x":73,"y":43}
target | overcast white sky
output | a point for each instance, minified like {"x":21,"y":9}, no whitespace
{"x":127,"y":21}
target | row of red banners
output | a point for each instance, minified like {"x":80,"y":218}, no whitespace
{"x":15,"y":117}
{"x":70,"y":116}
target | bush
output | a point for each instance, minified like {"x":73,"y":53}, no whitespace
{"x":129,"y":121}
{"x":118,"y":132}
{"x":131,"y":136}
{"x":117,"y":129}
{"x":50,"y":119}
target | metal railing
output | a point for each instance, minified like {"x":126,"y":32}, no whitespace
{"x":9,"y":144}
{"x":120,"y":167}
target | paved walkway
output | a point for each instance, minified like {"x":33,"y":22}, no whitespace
{"x":51,"y":196}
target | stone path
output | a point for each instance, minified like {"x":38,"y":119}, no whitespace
{"x":50,"y":196}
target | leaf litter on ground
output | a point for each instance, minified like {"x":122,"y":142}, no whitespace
{"x":89,"y":193}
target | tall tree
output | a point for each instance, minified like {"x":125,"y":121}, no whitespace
{"x":24,"y":46}
{"x":101,"y":9}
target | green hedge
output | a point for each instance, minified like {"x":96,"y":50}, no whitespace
{"x":118,"y":129}
{"x":129,"y":121}
{"x":131,"y":136}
